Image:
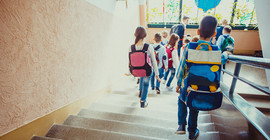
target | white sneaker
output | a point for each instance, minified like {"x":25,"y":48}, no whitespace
{"x":170,"y":87}
{"x":163,"y":82}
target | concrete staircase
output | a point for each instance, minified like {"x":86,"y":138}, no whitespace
{"x":118,"y":116}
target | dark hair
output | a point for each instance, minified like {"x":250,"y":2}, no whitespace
{"x":208,"y":26}
{"x":157,"y":37}
{"x":195,"y":39}
{"x":174,"y":37}
{"x":140,"y":33}
{"x":228,"y":29}
{"x":187,"y":40}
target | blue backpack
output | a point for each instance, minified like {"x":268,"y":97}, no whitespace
{"x":203,"y":92}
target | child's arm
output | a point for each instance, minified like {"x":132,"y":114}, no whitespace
{"x":220,"y":41}
{"x":180,"y":70}
{"x":153,"y":59}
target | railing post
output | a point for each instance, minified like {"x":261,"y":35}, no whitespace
{"x":236,"y":73}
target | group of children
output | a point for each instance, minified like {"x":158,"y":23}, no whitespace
{"x":164,"y":59}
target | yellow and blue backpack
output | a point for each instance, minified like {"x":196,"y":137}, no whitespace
{"x":203,"y":81}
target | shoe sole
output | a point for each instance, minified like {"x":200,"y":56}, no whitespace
{"x":180,"y":132}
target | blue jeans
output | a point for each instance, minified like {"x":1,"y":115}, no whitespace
{"x":143,"y":87}
{"x":182,"y":115}
{"x":171,"y":77}
{"x":161,"y":74}
{"x":180,"y":44}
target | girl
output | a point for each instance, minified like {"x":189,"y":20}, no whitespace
{"x":140,"y":35}
{"x":173,"y":61}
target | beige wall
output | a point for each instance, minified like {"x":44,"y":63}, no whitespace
{"x":55,"y":52}
{"x":246,"y":42}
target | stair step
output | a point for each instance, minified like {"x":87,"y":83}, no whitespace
{"x":43,"y":138}
{"x":260,"y":101}
{"x":74,"y":133}
{"x":138,"y":117}
{"x":122,"y":127}
{"x":127,"y":127}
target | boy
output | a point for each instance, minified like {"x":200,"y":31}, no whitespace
{"x":206,"y":31}
{"x":226,"y":42}
{"x":165,"y":41}
{"x":162,"y":61}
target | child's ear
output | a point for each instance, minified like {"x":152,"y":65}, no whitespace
{"x":198,"y":32}
{"x":214,"y":34}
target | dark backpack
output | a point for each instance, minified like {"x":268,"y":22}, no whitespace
{"x":227,"y":44}
{"x":179,"y":30}
{"x":139,"y":62}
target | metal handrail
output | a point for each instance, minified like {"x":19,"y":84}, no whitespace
{"x":252,"y":61}
{"x":260,"y":120}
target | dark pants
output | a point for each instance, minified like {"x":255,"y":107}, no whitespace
{"x":182,"y":115}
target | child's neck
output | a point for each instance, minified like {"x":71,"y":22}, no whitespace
{"x":205,"y":39}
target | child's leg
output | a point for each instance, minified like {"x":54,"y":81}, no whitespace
{"x":141,"y":83}
{"x":192,"y":120}
{"x":171,"y":77}
{"x":152,"y":79}
{"x":145,"y":85}
{"x":182,"y":112}
{"x":161,"y":73}
{"x":166,"y":74}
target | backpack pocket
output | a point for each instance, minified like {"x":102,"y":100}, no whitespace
{"x":204,"y":100}
{"x":139,"y":72}
{"x":138,"y":59}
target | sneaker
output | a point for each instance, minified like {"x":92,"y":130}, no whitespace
{"x":144,"y":104}
{"x":140,"y":94}
{"x":181,"y":129}
{"x":153,"y":88}
{"x":163,"y":81}
{"x":169,"y":87}
{"x":158,"y":91}
{"x":193,"y":135}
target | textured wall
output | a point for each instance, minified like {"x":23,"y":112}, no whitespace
{"x":246,"y":42}
{"x":54,"y":52}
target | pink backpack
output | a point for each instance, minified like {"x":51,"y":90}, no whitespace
{"x":169,"y":52}
{"x":139,"y":62}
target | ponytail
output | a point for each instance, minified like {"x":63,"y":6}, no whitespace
{"x":140,"y":33}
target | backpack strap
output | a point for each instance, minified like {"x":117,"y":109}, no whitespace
{"x":133,"y":49}
{"x":145,"y":47}
{"x":157,"y":48}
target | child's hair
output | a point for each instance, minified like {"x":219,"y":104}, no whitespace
{"x":224,"y":22}
{"x":140,"y":33}
{"x":228,"y":29}
{"x":195,"y":39}
{"x":185,"y":17}
{"x":174,"y":37}
{"x":187,"y":40}
{"x":165,"y":33}
{"x":208,"y":26}
{"x":188,"y":35}
{"x":157,"y":37}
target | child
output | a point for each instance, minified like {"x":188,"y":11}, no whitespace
{"x":164,"y":37}
{"x":226,"y":42}
{"x":140,"y":35}
{"x":162,"y":61}
{"x":186,"y":41}
{"x":173,"y":61}
{"x":195,"y":39}
{"x":220,"y":29}
{"x":206,"y":31}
